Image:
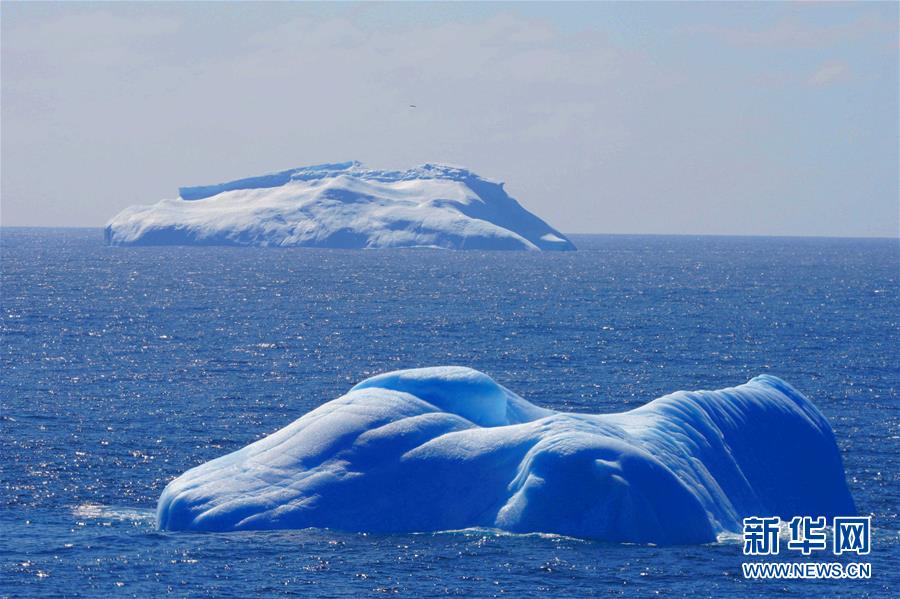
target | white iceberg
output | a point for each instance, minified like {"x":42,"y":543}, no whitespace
{"x":448,"y":448}
{"x":342,"y":205}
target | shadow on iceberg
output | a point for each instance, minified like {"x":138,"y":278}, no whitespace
{"x":448,"y":448}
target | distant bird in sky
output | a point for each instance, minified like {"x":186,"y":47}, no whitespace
{"x":412,"y":105}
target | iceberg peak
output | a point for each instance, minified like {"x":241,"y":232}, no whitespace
{"x":346,"y":205}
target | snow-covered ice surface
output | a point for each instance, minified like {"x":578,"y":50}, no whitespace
{"x":447,"y":448}
{"x":342,"y":205}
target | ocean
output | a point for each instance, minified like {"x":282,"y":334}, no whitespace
{"x":124,"y":367}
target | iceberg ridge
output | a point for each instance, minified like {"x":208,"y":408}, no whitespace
{"x":448,"y":448}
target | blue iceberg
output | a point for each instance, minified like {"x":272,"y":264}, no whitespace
{"x":448,"y":448}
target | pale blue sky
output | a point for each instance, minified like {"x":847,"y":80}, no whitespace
{"x":712,"y":118}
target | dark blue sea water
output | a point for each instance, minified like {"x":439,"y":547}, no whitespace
{"x":123,"y":367}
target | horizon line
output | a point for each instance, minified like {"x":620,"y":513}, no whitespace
{"x":598,"y":234}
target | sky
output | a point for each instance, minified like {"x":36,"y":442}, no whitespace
{"x":663,"y":118}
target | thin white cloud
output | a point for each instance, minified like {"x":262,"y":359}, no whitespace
{"x":828,"y":73}
{"x":797,"y":33}
{"x":99,"y":36}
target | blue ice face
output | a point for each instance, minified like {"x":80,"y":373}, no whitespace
{"x":448,"y":448}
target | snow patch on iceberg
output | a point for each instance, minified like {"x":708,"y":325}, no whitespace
{"x":342,"y":205}
{"x":448,"y":448}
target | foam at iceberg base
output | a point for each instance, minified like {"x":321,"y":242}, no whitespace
{"x":447,"y":448}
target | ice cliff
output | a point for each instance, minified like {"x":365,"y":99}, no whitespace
{"x":448,"y":448}
{"x":343,"y":205}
